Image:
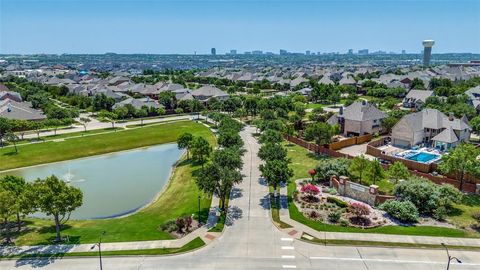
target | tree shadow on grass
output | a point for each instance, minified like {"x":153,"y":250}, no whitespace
{"x":11,"y":153}
{"x":471,"y":200}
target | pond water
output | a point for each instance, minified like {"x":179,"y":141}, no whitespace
{"x":113,"y":184}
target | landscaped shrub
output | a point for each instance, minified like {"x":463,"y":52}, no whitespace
{"x":334,"y":217}
{"x":169,"y":226}
{"x":359,"y":209}
{"x":338,"y":202}
{"x":343,"y":223}
{"x":313,"y":215}
{"x":311,"y":191}
{"x":440,"y":213}
{"x":329,"y":167}
{"x":427,"y":196}
{"x":404,"y":211}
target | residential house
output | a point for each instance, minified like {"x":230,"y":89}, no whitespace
{"x":430,"y":127}
{"x":359,"y":118}
{"x":12,"y":109}
{"x":138,"y":103}
{"x":415,"y":99}
{"x":207,"y":92}
{"x":474,"y":97}
{"x":10,"y":95}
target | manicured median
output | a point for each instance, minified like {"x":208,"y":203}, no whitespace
{"x":180,"y":197}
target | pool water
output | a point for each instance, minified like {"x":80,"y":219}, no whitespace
{"x":423,"y":157}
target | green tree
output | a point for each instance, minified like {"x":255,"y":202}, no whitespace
{"x":228,"y":158}
{"x":461,"y":161}
{"x":161,"y":111}
{"x":321,"y":133}
{"x":8,"y":207}
{"x":85,"y":121}
{"x":109,"y":116}
{"x":275,"y":172}
{"x":357,"y":168}
{"x":142,"y":113}
{"x":374,"y":172}
{"x":185,"y":142}
{"x":5,"y":127}
{"x":271,"y":136}
{"x":217,"y":180}
{"x":56,"y":198}
{"x":398,"y":171}
{"x":271,"y":151}
{"x":12,"y":137}
{"x":230,"y":138}
{"x":22,"y":192}
{"x":475,"y":123}
{"x":201,"y":149}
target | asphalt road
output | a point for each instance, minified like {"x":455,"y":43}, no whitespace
{"x":250,"y":241}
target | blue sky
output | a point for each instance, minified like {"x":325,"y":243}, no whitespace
{"x":167,"y":26}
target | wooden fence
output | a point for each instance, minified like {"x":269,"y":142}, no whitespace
{"x":350,"y":141}
{"x":419,"y":169}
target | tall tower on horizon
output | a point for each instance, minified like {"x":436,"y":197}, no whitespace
{"x":213,"y":51}
{"x":427,"y":51}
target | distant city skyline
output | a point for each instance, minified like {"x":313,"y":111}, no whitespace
{"x":186,"y":27}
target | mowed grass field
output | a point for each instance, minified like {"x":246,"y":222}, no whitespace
{"x":180,"y":197}
{"x":39,"y":153}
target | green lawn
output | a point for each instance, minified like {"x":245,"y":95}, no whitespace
{"x":303,"y":160}
{"x":69,"y":135}
{"x":194,"y":244}
{"x":33,"y":154}
{"x":178,"y":199}
{"x":462,"y":213}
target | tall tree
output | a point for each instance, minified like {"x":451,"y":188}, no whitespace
{"x":461,"y":161}
{"x":398,"y":171}
{"x":276,"y":172}
{"x":185,"y":142}
{"x":56,"y":198}
{"x":22,"y":192}
{"x":217,"y":180}
{"x":321,"y":133}
{"x":8,"y":207}
{"x":201,"y":149}
{"x":228,"y":158}
{"x":85,"y":121}
{"x":13,"y":138}
{"x":358,"y":166}
{"x":271,"y":151}
{"x":375,"y":172}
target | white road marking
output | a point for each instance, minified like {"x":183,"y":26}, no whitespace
{"x":289,"y":266}
{"x":286,"y":239}
{"x":288,"y":257}
{"x":389,"y":260}
{"x":288,"y":247}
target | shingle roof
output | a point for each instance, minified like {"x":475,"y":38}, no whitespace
{"x":19,"y":110}
{"x":416,"y":95}
{"x":362,"y":111}
{"x":446,"y":136}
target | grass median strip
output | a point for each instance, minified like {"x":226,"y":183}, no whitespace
{"x":192,"y":245}
{"x":332,"y":242}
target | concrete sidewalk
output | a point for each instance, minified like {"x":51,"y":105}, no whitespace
{"x":201,"y":232}
{"x":298,"y":229}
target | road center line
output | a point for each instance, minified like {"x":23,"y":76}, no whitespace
{"x":286,"y":239}
{"x":289,"y":266}
{"x":288,"y":257}
{"x":287,"y":247}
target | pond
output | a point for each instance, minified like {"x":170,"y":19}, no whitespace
{"x":114,"y":184}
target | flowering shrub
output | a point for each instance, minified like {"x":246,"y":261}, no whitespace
{"x":312,"y":173}
{"x":359,"y":209}
{"x":310,"y":189}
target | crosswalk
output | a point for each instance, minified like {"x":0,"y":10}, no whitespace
{"x":288,"y":253}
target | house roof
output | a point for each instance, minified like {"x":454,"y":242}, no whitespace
{"x":137,"y":103}
{"x":19,"y":110}
{"x":362,"y":111}
{"x":433,"y":119}
{"x":3,"y":87}
{"x":418,"y":95}
{"x":208,"y":91}
{"x":7,"y":94}
{"x":446,"y":136}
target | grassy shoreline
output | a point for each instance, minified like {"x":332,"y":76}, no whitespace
{"x":77,"y":147}
{"x":179,"y":197}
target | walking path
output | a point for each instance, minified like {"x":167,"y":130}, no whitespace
{"x":201,"y":232}
{"x":300,"y":228}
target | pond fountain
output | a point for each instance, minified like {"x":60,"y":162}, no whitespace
{"x":114,"y":184}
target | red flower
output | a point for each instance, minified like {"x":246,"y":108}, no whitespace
{"x":310,"y":189}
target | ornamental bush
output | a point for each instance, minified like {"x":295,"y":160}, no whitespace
{"x":359,"y":209}
{"x":338,"y":202}
{"x":404,"y":211}
{"x":310,"y":189}
{"x":427,"y":196}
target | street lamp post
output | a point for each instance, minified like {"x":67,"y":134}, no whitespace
{"x":450,"y":258}
{"x":99,"y":244}
{"x":199,"y":197}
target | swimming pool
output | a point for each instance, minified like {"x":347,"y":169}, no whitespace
{"x":422,"y":157}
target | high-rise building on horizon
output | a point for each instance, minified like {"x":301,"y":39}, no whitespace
{"x":350,"y":51}
{"x":233,"y":52}
{"x":307,"y":52}
{"x":403,"y":52}
{"x":427,"y":51}
{"x":213,"y":51}
{"x":363,"y":52}
{"x":283,"y":52}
